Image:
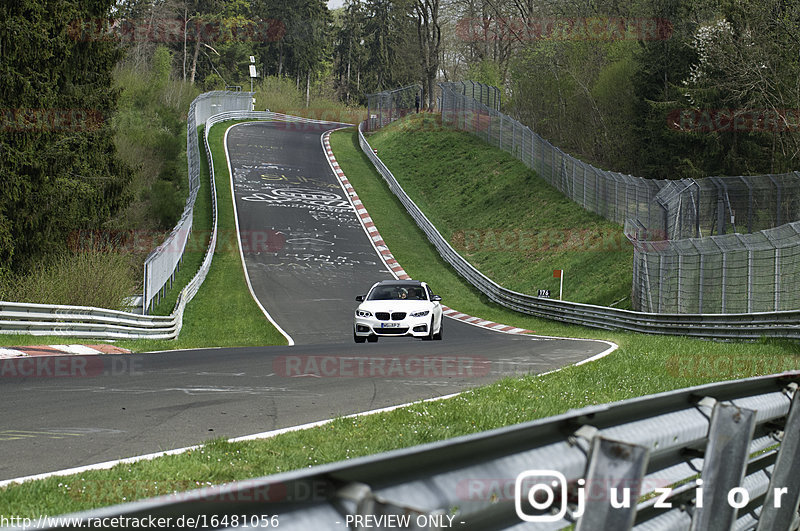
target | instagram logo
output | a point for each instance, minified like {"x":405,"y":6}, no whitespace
{"x":541,"y":489}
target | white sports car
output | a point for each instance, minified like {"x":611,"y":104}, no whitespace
{"x":398,"y":308}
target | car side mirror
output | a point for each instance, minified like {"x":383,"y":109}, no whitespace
{"x":360,"y":298}
{"x":436,"y":298}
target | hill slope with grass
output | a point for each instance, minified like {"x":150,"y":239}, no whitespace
{"x":502,"y":217}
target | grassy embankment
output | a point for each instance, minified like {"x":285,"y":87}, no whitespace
{"x":510,"y":224}
{"x":642,"y":365}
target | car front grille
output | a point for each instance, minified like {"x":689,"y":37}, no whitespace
{"x":398,"y":316}
{"x":382,"y":316}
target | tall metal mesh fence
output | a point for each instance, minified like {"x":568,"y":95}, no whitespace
{"x":385,"y":107}
{"x":486,"y":94}
{"x":733,"y":273}
{"x":697,"y":243}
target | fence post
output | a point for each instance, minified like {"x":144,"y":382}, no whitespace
{"x":749,"y":204}
{"x":584,"y":186}
{"x":700,"y":284}
{"x":500,"y":142}
{"x":513,"y":138}
{"x":785,"y":474}
{"x":679,"y":277}
{"x":724,"y":465}
{"x":724,"y":280}
{"x":749,"y":281}
{"x":613,"y":465}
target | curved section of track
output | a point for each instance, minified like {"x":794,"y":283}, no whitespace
{"x":307,"y":258}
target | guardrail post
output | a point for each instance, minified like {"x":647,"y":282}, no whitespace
{"x":779,"y":510}
{"x":513,"y":139}
{"x":724,"y":464}
{"x":614,"y":479}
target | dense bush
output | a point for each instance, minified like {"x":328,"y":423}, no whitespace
{"x":86,"y":278}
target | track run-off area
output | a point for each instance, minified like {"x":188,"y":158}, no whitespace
{"x":306,"y":256}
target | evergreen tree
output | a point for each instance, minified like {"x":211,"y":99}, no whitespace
{"x":58,"y":162}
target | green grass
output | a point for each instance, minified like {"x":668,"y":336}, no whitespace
{"x":503,"y":218}
{"x":642,"y":365}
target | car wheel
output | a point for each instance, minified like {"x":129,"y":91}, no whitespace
{"x":358,"y":339}
{"x":372,"y":338}
{"x":430,"y":332}
{"x":438,"y":335}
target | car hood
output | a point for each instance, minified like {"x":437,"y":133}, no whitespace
{"x":396,"y":306}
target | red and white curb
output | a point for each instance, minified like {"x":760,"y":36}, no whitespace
{"x":59,"y":350}
{"x":383,"y":250}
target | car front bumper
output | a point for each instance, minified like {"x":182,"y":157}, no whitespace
{"x":410,"y":326}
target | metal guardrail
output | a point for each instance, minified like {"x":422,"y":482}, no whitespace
{"x":83,"y":321}
{"x":740,"y":438}
{"x":746,"y":326}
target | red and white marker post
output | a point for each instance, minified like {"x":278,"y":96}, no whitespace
{"x":559,"y":273}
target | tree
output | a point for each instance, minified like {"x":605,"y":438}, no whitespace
{"x":348,"y":50}
{"x":429,"y":33}
{"x":58,"y":160}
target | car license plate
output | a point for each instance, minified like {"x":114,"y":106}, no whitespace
{"x":390,"y":325}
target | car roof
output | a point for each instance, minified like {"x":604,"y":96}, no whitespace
{"x":399,"y":282}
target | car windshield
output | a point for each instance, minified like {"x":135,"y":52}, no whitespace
{"x":391,"y":292}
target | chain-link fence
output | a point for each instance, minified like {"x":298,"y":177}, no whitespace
{"x":733,"y":273}
{"x":385,"y":107}
{"x":486,"y":94}
{"x":690,"y":253}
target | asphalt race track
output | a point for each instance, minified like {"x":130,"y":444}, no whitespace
{"x":317,"y":257}
{"x":307,"y":259}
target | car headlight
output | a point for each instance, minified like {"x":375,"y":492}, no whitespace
{"x":363,"y":313}
{"x":420,"y":314}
